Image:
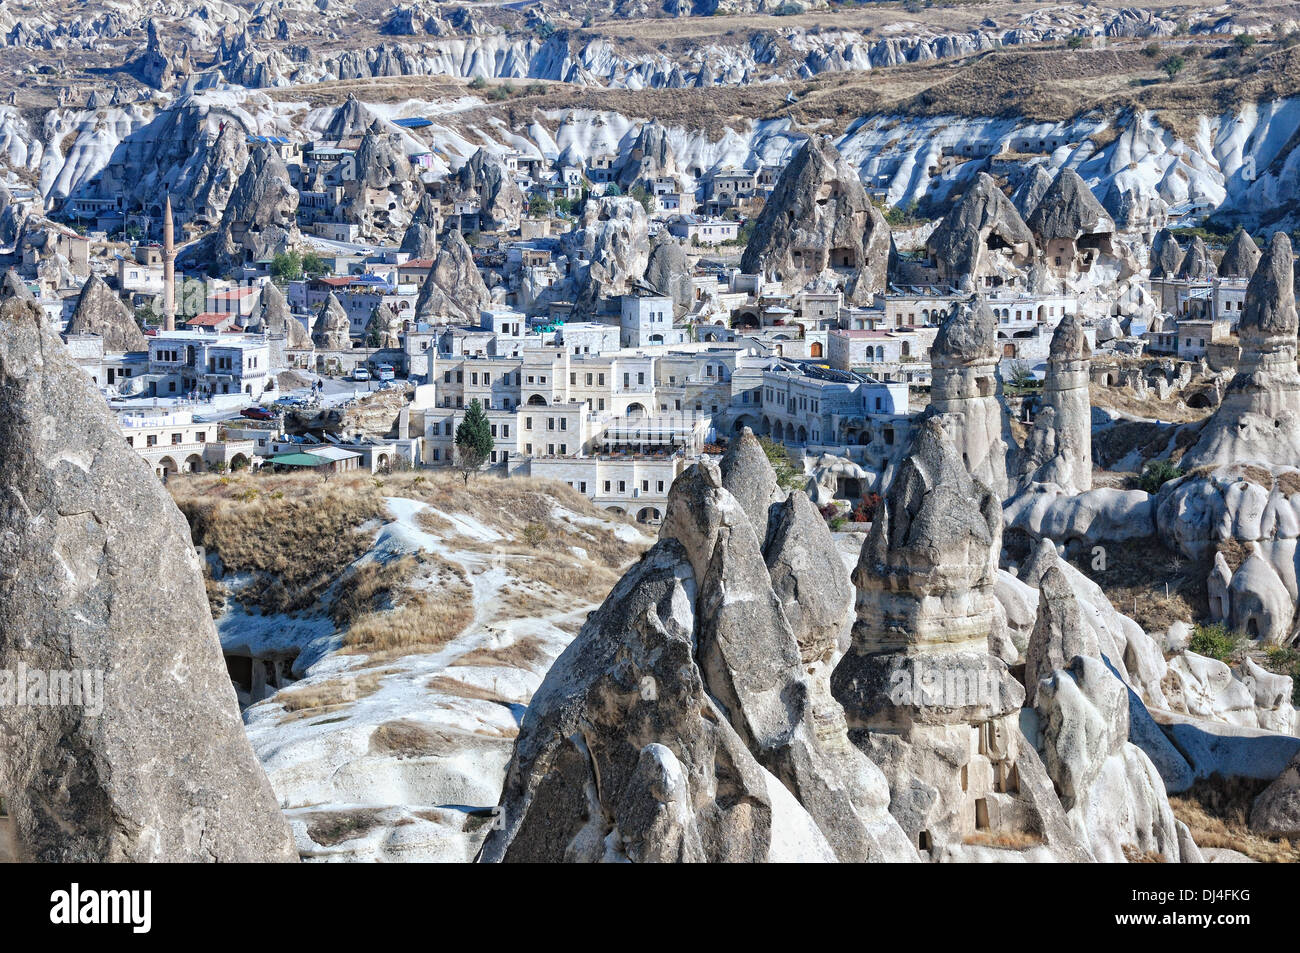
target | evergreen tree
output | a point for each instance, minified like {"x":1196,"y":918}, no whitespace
{"x":473,"y":440}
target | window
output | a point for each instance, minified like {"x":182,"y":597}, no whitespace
{"x":606,"y":486}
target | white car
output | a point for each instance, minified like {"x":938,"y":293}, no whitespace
{"x":360,"y":374}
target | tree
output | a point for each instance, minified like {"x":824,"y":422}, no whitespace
{"x":1174,"y":65}
{"x":286,"y":267}
{"x":787,"y":477}
{"x":473,"y":440}
{"x":641,"y":195}
{"x":1244,"y":42}
{"x":478,"y":82}
{"x":313,"y":266}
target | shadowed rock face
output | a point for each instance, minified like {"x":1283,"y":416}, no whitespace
{"x":1241,"y":258}
{"x":98,"y":575}
{"x":669,"y":271}
{"x":259,"y":220}
{"x":1166,"y":256}
{"x":14,"y":287}
{"x":982,"y":235}
{"x":277,"y":320}
{"x":819,"y":225}
{"x":100,"y":311}
{"x":332,"y":329}
{"x":384,"y":328}
{"x":501,"y":202}
{"x":1069,"y":210}
{"x":1197,"y":263}
{"x":1259,"y":417}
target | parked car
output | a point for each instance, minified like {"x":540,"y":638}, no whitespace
{"x":257,"y":413}
{"x":360,"y":374}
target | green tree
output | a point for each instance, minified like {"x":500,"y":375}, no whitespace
{"x":1243,"y":41}
{"x":1075,"y":42}
{"x":478,"y":82}
{"x":1174,"y":65}
{"x":313,"y":266}
{"x":639,"y":193}
{"x":473,"y":440}
{"x":787,"y":477}
{"x":286,"y":267}
{"x":538,"y":207}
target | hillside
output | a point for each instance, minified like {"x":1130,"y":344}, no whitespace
{"x":400,"y":626}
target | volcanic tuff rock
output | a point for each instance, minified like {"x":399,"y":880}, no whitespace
{"x":454,"y":289}
{"x":982,"y":235}
{"x":14,"y":287}
{"x":1259,"y":417}
{"x":613,"y":238}
{"x":332,"y":330}
{"x":1059,"y":448}
{"x":923,"y":697}
{"x":100,"y":311}
{"x":501,"y":201}
{"x":260,"y":218}
{"x":384,"y":327}
{"x":668,"y":271}
{"x":98,"y":575}
{"x":1197,"y":263}
{"x":1029,"y":193}
{"x":819,"y":224}
{"x":1068,"y":210}
{"x":1166,"y":256}
{"x":687,"y":695}
{"x":1241,"y":257}
{"x":275,"y":319}
{"x":964,"y":391}
{"x":650,"y":157}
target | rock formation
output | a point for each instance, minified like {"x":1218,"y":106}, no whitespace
{"x":964,"y":391}
{"x":501,"y":201}
{"x":454,"y":290}
{"x":260,"y":218}
{"x":1166,"y":256}
{"x":1072,"y":228}
{"x":100,"y":311}
{"x":1197,"y":265}
{"x":385,"y":191}
{"x":668,"y":271}
{"x":819,"y":226}
{"x":1241,"y":257}
{"x":384,"y":328}
{"x":1113,"y":795}
{"x":650,"y":157}
{"x":274,"y":319}
{"x":924,"y":698}
{"x":1029,"y":193}
{"x":129,"y":744}
{"x":1259,"y":417}
{"x":690,"y":719}
{"x":981,"y":236}
{"x":332,"y":330}
{"x":1059,"y":448}
{"x":613,"y":249}
{"x":14,"y":287}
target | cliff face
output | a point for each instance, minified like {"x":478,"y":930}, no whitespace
{"x":128,"y":745}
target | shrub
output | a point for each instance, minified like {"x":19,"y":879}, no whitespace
{"x":1174,"y":65}
{"x":1075,"y":43}
{"x":535,"y":534}
{"x":478,"y":82}
{"x":1157,"y":473}
{"x":786,"y":476}
{"x":1215,"y":641}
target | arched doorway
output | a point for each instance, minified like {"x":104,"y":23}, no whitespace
{"x":635,"y":410}
{"x":815,"y":349}
{"x":193,"y":463}
{"x":537,"y":400}
{"x":648,"y":514}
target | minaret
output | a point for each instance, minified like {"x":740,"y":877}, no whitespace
{"x":169,"y":268}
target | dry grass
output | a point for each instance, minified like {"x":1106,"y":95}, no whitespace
{"x":526,"y":652}
{"x":426,"y":618}
{"x":337,"y":693}
{"x":329,"y":828}
{"x":296,"y":534}
{"x":457,"y":689}
{"x":1216,"y":811}
{"x":1288,"y":482}
{"x":1135,"y":855}
{"x":1135,"y":579}
{"x":372,"y":586}
{"x":1009,"y":840}
{"x":409,"y":739}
